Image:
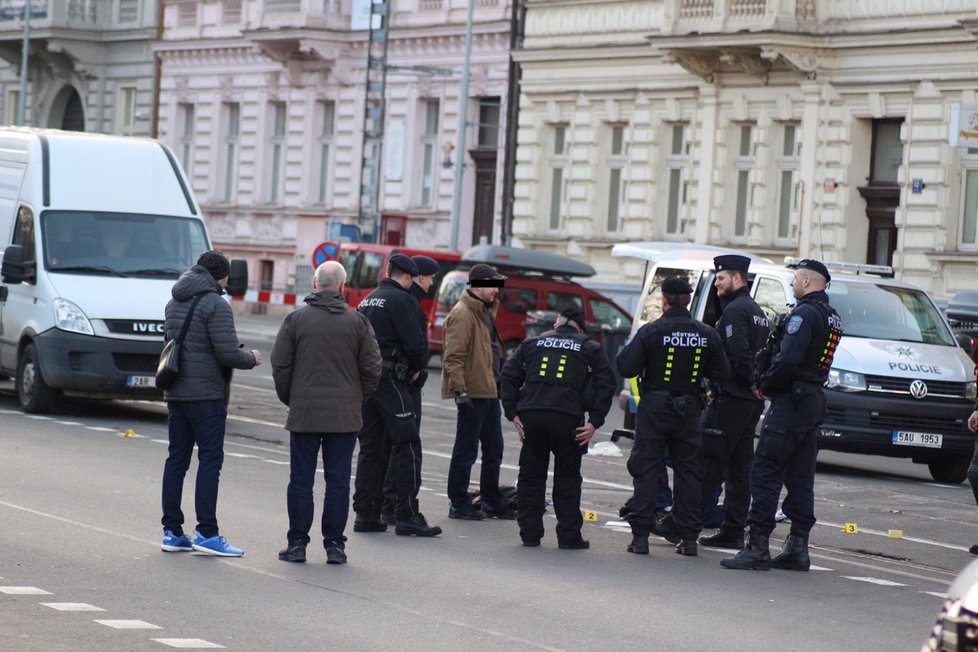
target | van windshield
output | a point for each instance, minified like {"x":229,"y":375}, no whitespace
{"x":888,"y":313}
{"x":120,"y":244}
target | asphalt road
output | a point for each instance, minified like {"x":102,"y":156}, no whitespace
{"x":79,"y":520}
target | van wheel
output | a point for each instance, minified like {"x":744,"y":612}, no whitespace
{"x":34,"y":394}
{"x":949,"y":470}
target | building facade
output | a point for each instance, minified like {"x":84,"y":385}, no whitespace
{"x":783,"y":127}
{"x":263,"y":102}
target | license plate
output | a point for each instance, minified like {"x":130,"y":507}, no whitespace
{"x":140,"y":381}
{"x":922,"y":439}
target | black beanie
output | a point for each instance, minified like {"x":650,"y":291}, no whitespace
{"x":216,"y":263}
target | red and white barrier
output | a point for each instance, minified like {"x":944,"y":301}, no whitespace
{"x":273,"y":298}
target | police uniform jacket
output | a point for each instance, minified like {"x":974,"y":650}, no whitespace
{"x":325,"y":364}
{"x":420,"y":295}
{"x":466,"y":359}
{"x":393,"y":314}
{"x":808,"y":338}
{"x":744,"y":329}
{"x":560,"y":371}
{"x":673,"y":353}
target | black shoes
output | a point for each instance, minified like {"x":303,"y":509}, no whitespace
{"x":686,"y":547}
{"x":973,"y":549}
{"x":666,"y":528}
{"x":639,"y":545}
{"x":364,"y":523}
{"x":724,"y":538}
{"x":295,"y":552}
{"x":794,"y":555}
{"x":502,"y":512}
{"x":335,"y":555}
{"x":416,"y":526}
{"x":754,"y":556}
{"x":531,"y":543}
{"x":466,"y":513}
{"x":388,"y":518}
{"x":579,"y":544}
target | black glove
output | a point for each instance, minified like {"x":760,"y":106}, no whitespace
{"x":421,"y":379}
{"x":463,"y":401}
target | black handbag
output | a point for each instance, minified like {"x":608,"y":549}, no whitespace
{"x":168,"y":367}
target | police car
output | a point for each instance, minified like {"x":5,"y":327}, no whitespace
{"x":900,"y":384}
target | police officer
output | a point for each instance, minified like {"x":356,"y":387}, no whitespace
{"x":546,"y":387}
{"x":420,"y":290}
{"x":671,"y":355}
{"x":785,"y":455}
{"x":388,"y":415}
{"x":728,"y":429}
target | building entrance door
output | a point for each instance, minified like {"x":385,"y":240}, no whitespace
{"x":485,"y":194}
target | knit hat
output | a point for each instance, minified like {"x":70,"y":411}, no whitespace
{"x":216,"y":263}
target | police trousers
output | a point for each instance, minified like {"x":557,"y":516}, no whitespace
{"x":388,"y":420}
{"x":785,"y":456}
{"x":546,"y":433}
{"x":728,"y":451}
{"x":663,"y":421}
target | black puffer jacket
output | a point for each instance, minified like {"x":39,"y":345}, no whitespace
{"x":210,"y":349}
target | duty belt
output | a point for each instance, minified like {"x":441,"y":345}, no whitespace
{"x":669,"y":392}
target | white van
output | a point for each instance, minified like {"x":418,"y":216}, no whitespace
{"x":97,"y":229}
{"x":900,"y":384}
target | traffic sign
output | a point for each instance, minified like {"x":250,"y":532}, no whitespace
{"x":323,"y":252}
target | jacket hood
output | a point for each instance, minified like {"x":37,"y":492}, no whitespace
{"x":193,"y":281}
{"x":328,"y":300}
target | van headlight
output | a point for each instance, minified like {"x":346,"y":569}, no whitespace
{"x":971,"y":390}
{"x":69,"y":317}
{"x":846,"y":381}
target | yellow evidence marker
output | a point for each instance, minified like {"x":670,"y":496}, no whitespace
{"x":590,"y":516}
{"x":850,"y":528}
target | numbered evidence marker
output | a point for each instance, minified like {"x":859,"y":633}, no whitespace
{"x":850,"y":528}
{"x":590,"y":516}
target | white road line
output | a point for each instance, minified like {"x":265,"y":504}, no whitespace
{"x":71,"y":606}
{"x":23,"y":590}
{"x":277,"y":462}
{"x":820,"y":568}
{"x":187,"y":643}
{"x":161,"y":441}
{"x":241,"y":455}
{"x":930,"y":542}
{"x":101,"y":429}
{"x":955,"y":487}
{"x":127,"y":624}
{"x":511,"y":467}
{"x":87,"y":526}
{"x":936,"y":594}
{"x":873,"y":580}
{"x":70,"y":423}
{"x":39,"y":417}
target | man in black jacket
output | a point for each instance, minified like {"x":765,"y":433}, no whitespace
{"x":197,"y":402}
{"x":325,"y":364}
{"x":546,"y":387}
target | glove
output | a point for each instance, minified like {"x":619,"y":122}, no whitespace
{"x":463,"y":401}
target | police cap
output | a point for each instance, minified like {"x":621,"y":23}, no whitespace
{"x":405,"y":264}
{"x":676,"y":285}
{"x":731,"y":263}
{"x":815,"y":266}
{"x":426,"y":266}
{"x":574,"y":314}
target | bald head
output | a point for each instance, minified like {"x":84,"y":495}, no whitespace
{"x":329,"y":276}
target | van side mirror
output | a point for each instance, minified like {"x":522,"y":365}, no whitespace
{"x":968,"y":343}
{"x":238,"y":278}
{"x":15,"y":269}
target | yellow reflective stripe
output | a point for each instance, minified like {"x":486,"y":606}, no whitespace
{"x":635,"y":393}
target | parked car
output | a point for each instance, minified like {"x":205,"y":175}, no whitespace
{"x":366,"y":266}
{"x":900,"y":384}
{"x":536,"y":281}
{"x":962,"y":314}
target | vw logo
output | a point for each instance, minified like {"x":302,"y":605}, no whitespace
{"x":918,"y":389}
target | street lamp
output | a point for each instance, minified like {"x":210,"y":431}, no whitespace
{"x":463,"y":111}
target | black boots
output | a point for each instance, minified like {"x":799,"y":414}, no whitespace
{"x":367,"y":523}
{"x":295,"y":552}
{"x":639,"y":544}
{"x":725,"y":537}
{"x":416,"y":526}
{"x":666,"y":528}
{"x":754,"y":556}
{"x":794,"y":555}
{"x":686,"y":547}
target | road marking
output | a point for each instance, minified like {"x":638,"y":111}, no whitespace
{"x":23,"y":590}
{"x":101,"y":429}
{"x":954,"y":487}
{"x":160,"y":441}
{"x":880,"y":533}
{"x":187,"y":643}
{"x":277,"y":462}
{"x":70,"y":423}
{"x":820,"y":568}
{"x":511,"y":467}
{"x":241,"y":455}
{"x":88,"y":526}
{"x":71,"y":606}
{"x":936,"y":594}
{"x":873,"y":580}
{"x":39,"y":417}
{"x":254,"y":421}
{"x":127,"y":624}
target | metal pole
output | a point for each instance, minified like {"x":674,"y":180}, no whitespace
{"x":22,"y":109}
{"x":463,"y":111}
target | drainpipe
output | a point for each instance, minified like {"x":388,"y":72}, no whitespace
{"x":512,"y":120}
{"x":154,"y":129}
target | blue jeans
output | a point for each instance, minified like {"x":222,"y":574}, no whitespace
{"x":337,"y":462}
{"x":201,"y":423}
{"x":480,"y":423}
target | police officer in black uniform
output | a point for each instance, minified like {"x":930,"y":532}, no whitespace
{"x":671,"y":355}
{"x":731,"y":417}
{"x":806,"y":341}
{"x":388,"y":415}
{"x":546,"y":388}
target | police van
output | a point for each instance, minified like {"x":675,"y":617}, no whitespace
{"x":900,"y":384}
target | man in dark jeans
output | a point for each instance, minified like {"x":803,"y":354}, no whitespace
{"x":325,"y":364}
{"x":197,"y":401}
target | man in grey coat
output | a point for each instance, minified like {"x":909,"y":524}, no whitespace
{"x":325,"y":363}
{"x":197,"y":401}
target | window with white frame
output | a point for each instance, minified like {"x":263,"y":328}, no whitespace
{"x":615,"y":162}
{"x":743,"y":163}
{"x":969,"y":183}
{"x":558,"y":162}
{"x":327,"y":119}
{"x":431,"y":110}
{"x":787,"y":169}
{"x":126,"y":117}
{"x":128,"y":11}
{"x":232,"y":130}
{"x":12,"y":107}
{"x":677,"y":164}
{"x":276,"y":142}
{"x":186,"y":136}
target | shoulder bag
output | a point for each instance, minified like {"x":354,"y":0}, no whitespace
{"x":169,"y":366}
